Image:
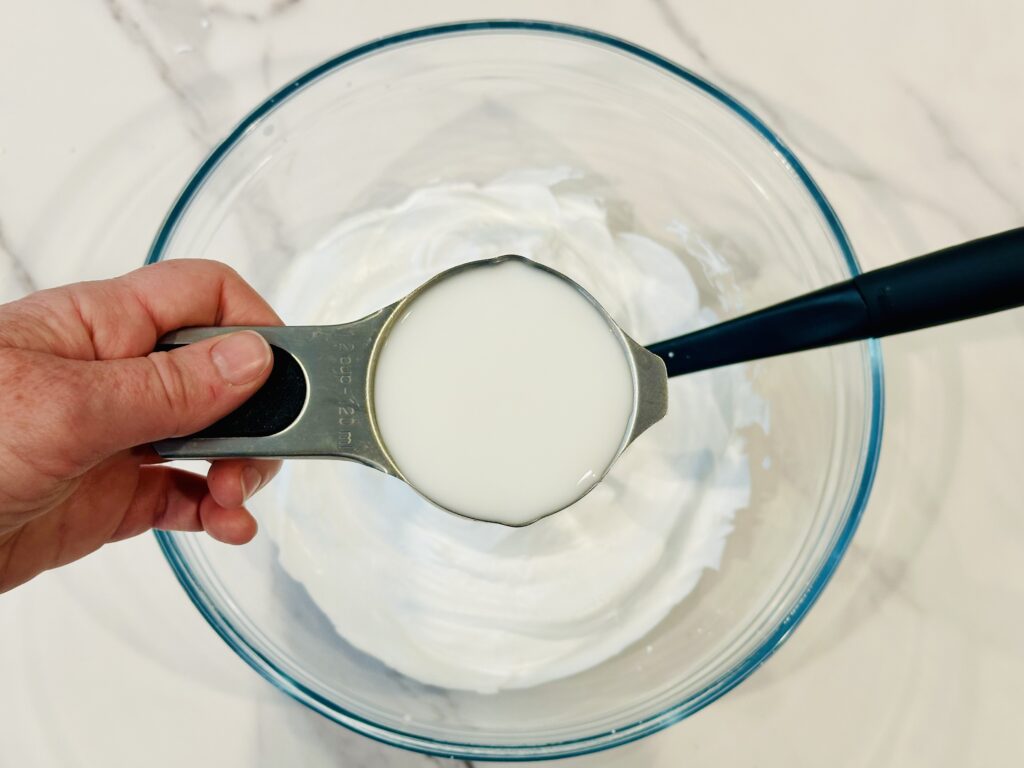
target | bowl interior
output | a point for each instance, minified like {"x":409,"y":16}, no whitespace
{"x":672,"y":159}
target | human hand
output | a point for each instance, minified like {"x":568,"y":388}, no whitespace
{"x":82,"y":395}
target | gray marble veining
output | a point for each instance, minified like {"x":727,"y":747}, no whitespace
{"x":914,"y":656}
{"x":15,"y":268}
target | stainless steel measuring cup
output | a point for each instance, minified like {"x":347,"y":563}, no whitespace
{"x":319,"y":400}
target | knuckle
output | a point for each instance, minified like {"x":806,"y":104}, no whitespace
{"x":170,"y":385}
{"x":226,"y":270}
{"x":218,"y":270}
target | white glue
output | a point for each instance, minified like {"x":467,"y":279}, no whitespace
{"x":502,"y":392}
{"x":469,"y":605}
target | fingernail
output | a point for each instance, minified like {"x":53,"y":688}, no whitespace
{"x":241,"y":357}
{"x":251,"y":480}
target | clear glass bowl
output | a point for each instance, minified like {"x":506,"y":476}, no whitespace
{"x":469,"y":102}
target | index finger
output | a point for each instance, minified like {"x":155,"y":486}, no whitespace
{"x":126,"y":316}
{"x":189,"y":292}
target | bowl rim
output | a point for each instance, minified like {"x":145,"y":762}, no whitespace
{"x":266,"y":667}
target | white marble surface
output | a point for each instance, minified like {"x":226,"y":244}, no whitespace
{"x":909,"y":115}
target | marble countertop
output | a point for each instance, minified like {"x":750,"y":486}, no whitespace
{"x":910,"y":117}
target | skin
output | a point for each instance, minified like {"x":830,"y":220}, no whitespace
{"x":82,"y":396}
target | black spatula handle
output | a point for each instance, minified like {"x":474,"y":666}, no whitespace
{"x":957,"y":283}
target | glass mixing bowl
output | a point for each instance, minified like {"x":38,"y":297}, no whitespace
{"x":687,"y":165}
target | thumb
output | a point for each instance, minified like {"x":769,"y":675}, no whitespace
{"x":168,"y":394}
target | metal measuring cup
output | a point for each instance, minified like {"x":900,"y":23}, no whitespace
{"x":319,"y":400}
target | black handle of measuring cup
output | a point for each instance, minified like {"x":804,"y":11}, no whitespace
{"x":271,"y":409}
{"x":956,"y":283}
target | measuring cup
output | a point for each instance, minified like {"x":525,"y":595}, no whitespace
{"x":319,"y":401}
